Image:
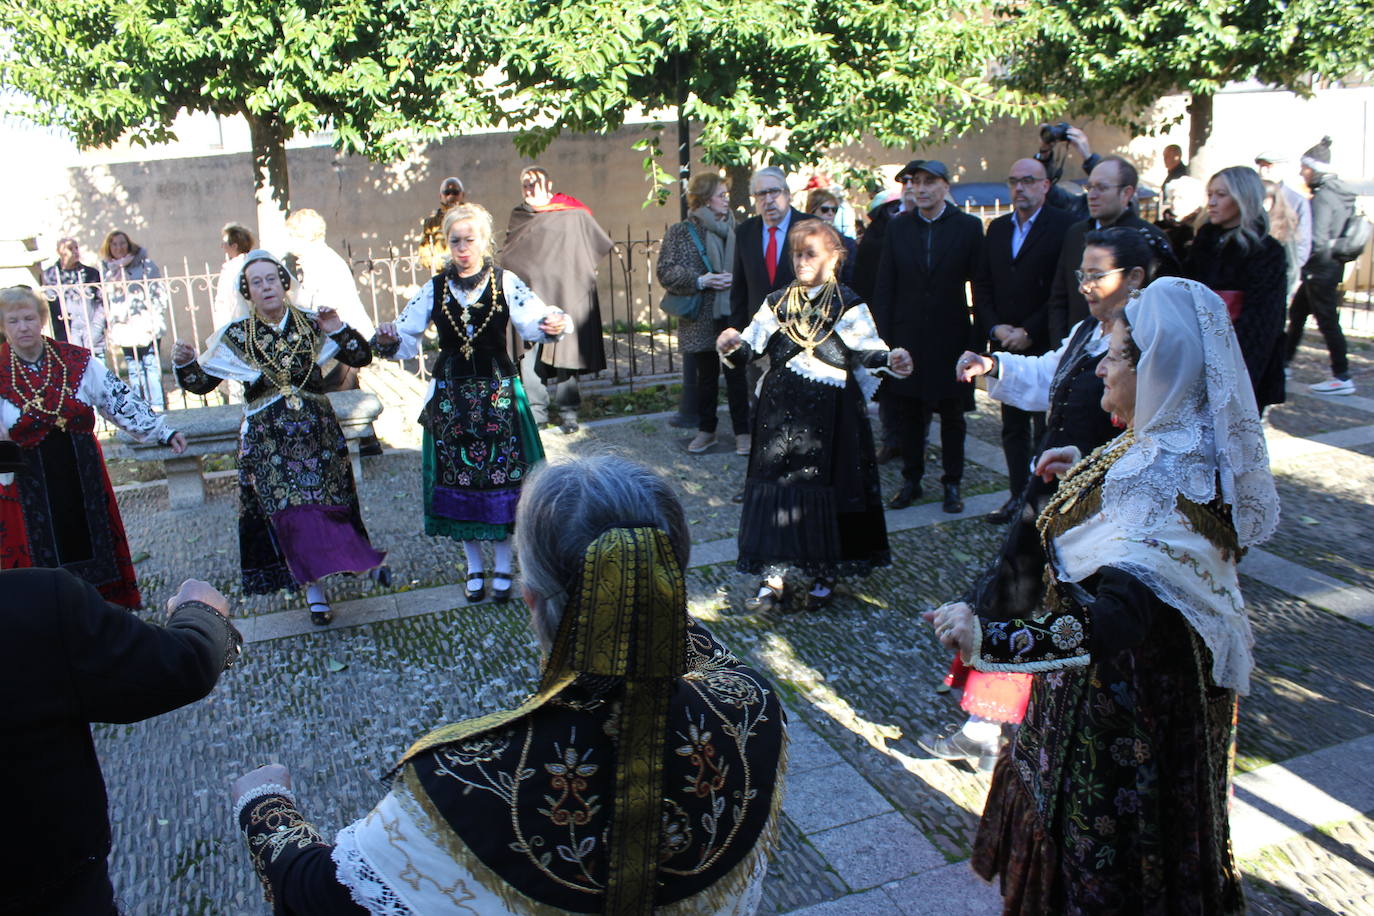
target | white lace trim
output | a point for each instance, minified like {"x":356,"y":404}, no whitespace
{"x":1185,"y":570}
{"x":261,"y":791}
{"x":365,"y":884}
{"x":1195,"y":418}
{"x":855,"y":328}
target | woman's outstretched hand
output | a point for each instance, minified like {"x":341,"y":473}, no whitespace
{"x":728,"y":341}
{"x":1055,"y":461}
{"x":899,"y":361}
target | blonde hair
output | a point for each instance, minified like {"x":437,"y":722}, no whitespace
{"x":105,"y":245}
{"x":306,"y":225}
{"x":702,"y":188}
{"x":480,"y":219}
{"x":15,"y":297}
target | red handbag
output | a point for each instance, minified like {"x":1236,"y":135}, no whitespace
{"x":1234,"y":299}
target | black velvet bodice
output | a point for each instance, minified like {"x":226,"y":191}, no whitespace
{"x":489,"y":354}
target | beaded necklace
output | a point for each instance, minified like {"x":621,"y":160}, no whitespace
{"x":1080,"y":483}
{"x":33,"y":398}
{"x":465,"y":329}
{"x":806,"y":321}
{"x":299,"y":339}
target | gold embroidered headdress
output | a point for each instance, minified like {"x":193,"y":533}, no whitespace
{"x":626,"y":618}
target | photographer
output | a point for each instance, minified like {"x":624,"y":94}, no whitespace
{"x":1050,"y":136}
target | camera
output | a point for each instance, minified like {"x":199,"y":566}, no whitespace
{"x":1049,"y":133}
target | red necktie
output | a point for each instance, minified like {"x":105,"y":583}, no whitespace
{"x":770,"y":254}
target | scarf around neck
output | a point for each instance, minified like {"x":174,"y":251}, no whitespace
{"x":718,"y":237}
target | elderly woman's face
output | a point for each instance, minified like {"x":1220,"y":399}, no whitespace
{"x":119,"y":245}
{"x":265,"y":288}
{"x":719,"y":202}
{"x":1118,"y":376}
{"x":468,"y":246}
{"x":23,"y":329}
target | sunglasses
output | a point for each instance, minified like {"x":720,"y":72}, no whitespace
{"x":826,"y":208}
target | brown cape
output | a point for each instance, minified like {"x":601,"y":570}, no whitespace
{"x":557,"y":254}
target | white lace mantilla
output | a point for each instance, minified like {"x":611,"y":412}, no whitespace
{"x":1185,"y":570}
{"x":855,"y":328}
{"x":395,"y":862}
{"x":1196,"y":424}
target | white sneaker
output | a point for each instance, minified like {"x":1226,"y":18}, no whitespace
{"x":1334,"y":386}
{"x":743,"y":442}
{"x":702,"y":443}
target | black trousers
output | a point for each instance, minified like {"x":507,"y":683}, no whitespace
{"x":913,"y":428}
{"x":1021,"y":429}
{"x":887,"y":418}
{"x":709,"y":368}
{"x":1319,"y":298}
{"x":687,"y":405}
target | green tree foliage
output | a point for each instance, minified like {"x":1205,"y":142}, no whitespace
{"x":1115,"y":58}
{"x":826,"y":73}
{"x":381,"y":74}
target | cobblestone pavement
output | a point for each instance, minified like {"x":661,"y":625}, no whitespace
{"x":870,"y":824}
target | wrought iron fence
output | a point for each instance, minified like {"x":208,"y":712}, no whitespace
{"x":641,"y":341}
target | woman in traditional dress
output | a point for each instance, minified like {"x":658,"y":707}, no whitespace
{"x":135,"y":312}
{"x":479,"y":437}
{"x":1113,"y":798}
{"x":62,"y":511}
{"x":645,"y":776}
{"x":1117,"y":263}
{"x":811,"y":498}
{"x":298,"y":509}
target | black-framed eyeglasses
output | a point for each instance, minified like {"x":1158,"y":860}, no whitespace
{"x":766,"y":193}
{"x":1025,"y":182}
{"x":1101,"y":188}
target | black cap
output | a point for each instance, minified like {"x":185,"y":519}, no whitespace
{"x":931,"y":166}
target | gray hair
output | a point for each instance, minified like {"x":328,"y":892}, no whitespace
{"x":772,"y":171}
{"x":1247,"y":189}
{"x":566,"y":506}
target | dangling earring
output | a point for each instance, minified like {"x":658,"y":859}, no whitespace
{"x":1134,"y":294}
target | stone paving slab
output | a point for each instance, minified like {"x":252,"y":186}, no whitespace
{"x":953,"y":890}
{"x":873,"y":902}
{"x":876,"y":850}
{"x":1311,"y":586}
{"x":829,"y":797}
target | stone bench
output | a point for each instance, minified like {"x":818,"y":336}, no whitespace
{"x":215,"y":431}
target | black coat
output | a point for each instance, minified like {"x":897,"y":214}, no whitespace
{"x":1261,"y":276}
{"x":1015,"y":291}
{"x":750,"y":284}
{"x":868,"y":254}
{"x":1067,"y":306}
{"x":68,"y":659}
{"x":920,"y":304}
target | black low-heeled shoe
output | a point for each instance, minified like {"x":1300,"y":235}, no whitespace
{"x":478,"y":593}
{"x":502,"y":594}
{"x":816,"y":602}
{"x":770,"y":601}
{"x":321,"y":618}
{"x":382,"y":576}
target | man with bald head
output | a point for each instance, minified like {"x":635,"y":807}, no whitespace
{"x":1011,"y":290}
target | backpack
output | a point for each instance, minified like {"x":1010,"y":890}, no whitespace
{"x":1355,"y":235}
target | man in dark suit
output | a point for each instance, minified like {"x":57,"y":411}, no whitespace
{"x":1015,"y":274}
{"x":1110,"y":189}
{"x":930,"y":252}
{"x":763,"y":259}
{"x":67,"y":658}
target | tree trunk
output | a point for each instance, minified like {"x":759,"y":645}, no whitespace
{"x":740,"y":200}
{"x":271,"y":181}
{"x":1199,"y":123}
{"x":684,"y":141}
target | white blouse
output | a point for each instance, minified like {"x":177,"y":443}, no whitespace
{"x":220,"y":360}
{"x":527,"y":310}
{"x":112,"y":397}
{"x":1024,"y":381}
